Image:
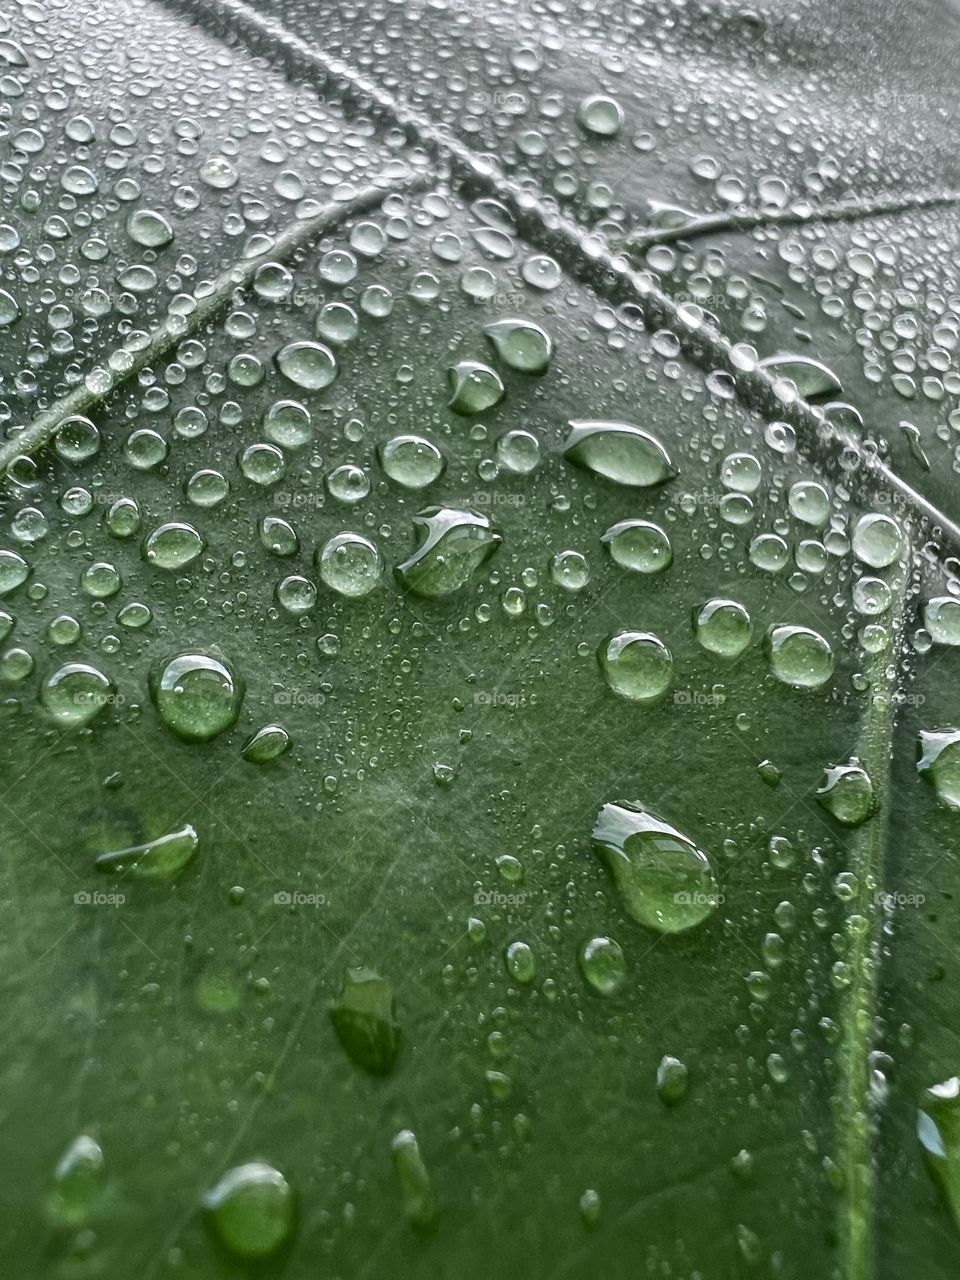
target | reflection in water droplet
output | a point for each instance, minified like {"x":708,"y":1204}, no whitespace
{"x":196,"y":695}
{"x":619,"y":451}
{"x":365,"y":1020}
{"x":454,"y":543}
{"x":603,"y":965}
{"x":76,"y":693}
{"x":638,"y":545}
{"x":799,"y":656}
{"x":847,"y":793}
{"x":161,"y":859}
{"x":723,"y":627}
{"x":349,"y":564}
{"x":474,"y":388}
{"x":665,"y":881}
{"x":940,"y":763}
{"x":252,"y":1211}
{"x":637,"y":665}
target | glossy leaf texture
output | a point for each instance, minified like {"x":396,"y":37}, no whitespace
{"x":477,"y":575}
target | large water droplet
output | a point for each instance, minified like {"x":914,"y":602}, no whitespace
{"x":454,"y":543}
{"x":638,"y":545}
{"x":252,"y":1211}
{"x":521,"y":345}
{"x":665,"y":881}
{"x":173,"y":546}
{"x":603,"y":965}
{"x":161,"y":859}
{"x":411,"y":461}
{"x":365,"y":1020}
{"x":415,"y":1186}
{"x":847,"y":793}
{"x":308,"y":364}
{"x":637,"y":665}
{"x":799,"y":656}
{"x":76,"y":693}
{"x":618,"y":451}
{"x":349,"y":564}
{"x":196,"y":695}
{"x":941,"y":617}
{"x":938,"y":1129}
{"x":877,"y":540}
{"x":940,"y":763}
{"x":723,"y":627}
{"x":474,"y":388}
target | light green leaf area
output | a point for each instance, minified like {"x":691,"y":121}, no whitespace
{"x":570,"y":902}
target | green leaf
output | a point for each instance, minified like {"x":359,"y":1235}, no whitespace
{"x":260,"y":663}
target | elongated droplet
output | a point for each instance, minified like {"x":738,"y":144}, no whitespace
{"x":268,"y":743}
{"x":620,"y":452}
{"x":364,"y":1018}
{"x":252,"y":1211}
{"x":454,"y":543}
{"x":521,"y":345}
{"x":161,"y":859}
{"x":810,"y":377}
{"x":665,"y":881}
{"x":847,"y":793}
{"x":415,"y":1186}
{"x":940,"y":763}
{"x":78,"y":1181}
{"x":938,"y":1129}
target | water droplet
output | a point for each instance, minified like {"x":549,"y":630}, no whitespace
{"x":521,"y":345}
{"x":521,"y":962}
{"x":723,"y":627}
{"x":149,"y":228}
{"x":268,"y":743}
{"x":308,"y":364}
{"x":618,"y":451}
{"x":172,"y":546}
{"x":252,"y":1211}
{"x":161,"y":859}
{"x":454,"y":543}
{"x":799,"y":656}
{"x":940,"y":763}
{"x":637,"y":665}
{"x":411,"y":461}
{"x":349,"y":564}
{"x":938,"y":1130}
{"x":77,"y":439}
{"x":415,"y":1186}
{"x":672,"y":1080}
{"x":365,"y":1020}
{"x":474,"y":388}
{"x":877,"y":540}
{"x":847,"y":793}
{"x":600,"y":116}
{"x":810,"y":377}
{"x":78,"y":1181}
{"x":196,"y":695}
{"x":639,"y":545}
{"x":288,"y":424}
{"x":569,"y":569}
{"x":603,"y":965}
{"x":665,"y":881}
{"x":941,"y":617}
{"x":14,"y":570}
{"x":76,"y":693}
